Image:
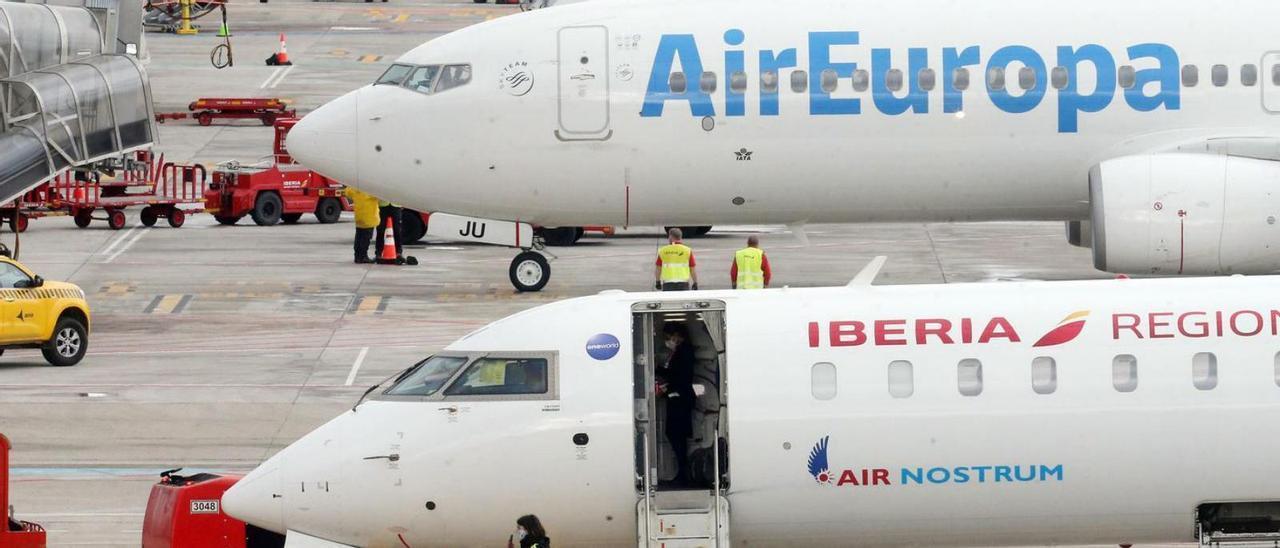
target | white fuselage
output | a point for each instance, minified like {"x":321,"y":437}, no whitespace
{"x":598,"y":137}
{"x":1032,"y":456}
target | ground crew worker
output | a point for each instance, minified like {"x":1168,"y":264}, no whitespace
{"x":675,"y":268}
{"x":366,"y":208}
{"x":750,"y":268}
{"x":388,"y":210}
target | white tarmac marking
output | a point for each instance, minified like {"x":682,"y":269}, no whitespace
{"x":286,"y":72}
{"x":355,"y":367}
{"x":136,"y":235}
{"x":276,"y":76}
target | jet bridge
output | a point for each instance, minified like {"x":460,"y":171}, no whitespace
{"x":37,"y":36}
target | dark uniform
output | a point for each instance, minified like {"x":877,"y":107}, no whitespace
{"x":680,"y":398}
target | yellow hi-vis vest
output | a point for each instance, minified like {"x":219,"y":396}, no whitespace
{"x":675,"y":263}
{"x":750,"y":268}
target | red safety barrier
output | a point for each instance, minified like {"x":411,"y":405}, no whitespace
{"x":15,"y":533}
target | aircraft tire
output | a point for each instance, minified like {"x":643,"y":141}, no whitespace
{"x":564,"y":236}
{"x":412,"y":226}
{"x":529,"y":272}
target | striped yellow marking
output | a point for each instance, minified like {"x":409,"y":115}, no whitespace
{"x":370,"y":58}
{"x":167,"y":304}
{"x":401,"y":18}
{"x":368,"y":305}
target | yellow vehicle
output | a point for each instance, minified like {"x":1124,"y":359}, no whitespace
{"x":51,"y":316}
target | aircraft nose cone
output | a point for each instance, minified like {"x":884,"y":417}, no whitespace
{"x":325,"y":140}
{"x":257,"y":499}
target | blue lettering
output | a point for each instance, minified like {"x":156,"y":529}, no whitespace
{"x":1047,"y":472}
{"x":1166,"y":75}
{"x":939,"y":475}
{"x":952,"y":98}
{"x":1070,"y":102}
{"x":684,"y":47}
{"x":962,"y":474}
{"x":982,"y":473}
{"x":820,"y":102}
{"x":774,"y":64}
{"x":910,"y":476}
{"x":735,"y":104}
{"x":1003,"y":473}
{"x":916,"y":100}
{"x":1030,"y":476}
{"x":1029,"y":100}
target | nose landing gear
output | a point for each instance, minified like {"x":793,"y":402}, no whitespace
{"x":529,"y":271}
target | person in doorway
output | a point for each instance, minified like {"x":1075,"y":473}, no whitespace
{"x":750,"y":268}
{"x":366,"y":209}
{"x":529,"y":533}
{"x":392,"y":212}
{"x":675,"y":269}
{"x":675,"y":386}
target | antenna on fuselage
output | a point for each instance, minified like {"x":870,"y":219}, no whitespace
{"x":868,"y":273}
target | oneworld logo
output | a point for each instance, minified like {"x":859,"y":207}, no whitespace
{"x":603,"y":346}
{"x":820,"y":470}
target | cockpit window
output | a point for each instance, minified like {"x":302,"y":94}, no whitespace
{"x":422,"y":78}
{"x":426,"y":378}
{"x":394,"y":76}
{"x":453,"y":76}
{"x":502,"y":377}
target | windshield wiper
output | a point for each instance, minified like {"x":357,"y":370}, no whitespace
{"x":375,"y":387}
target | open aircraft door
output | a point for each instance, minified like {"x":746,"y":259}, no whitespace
{"x":1271,"y":82}
{"x":583,"y":84}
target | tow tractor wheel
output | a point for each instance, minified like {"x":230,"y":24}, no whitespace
{"x":19,"y":222}
{"x":115,"y":219}
{"x":148,"y":216}
{"x":83,"y":217}
{"x":177,"y":217}
{"x":328,"y":211}
{"x":226,"y":220}
{"x":266,"y":209}
{"x":69,"y":342}
{"x":529,"y":272}
{"x":291,"y":218}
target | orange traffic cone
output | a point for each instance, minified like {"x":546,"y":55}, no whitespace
{"x":388,"y":255}
{"x":283,"y":57}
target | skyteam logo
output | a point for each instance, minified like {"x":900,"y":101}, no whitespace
{"x":1016,"y":78}
{"x":603,"y":346}
{"x":819,"y":468}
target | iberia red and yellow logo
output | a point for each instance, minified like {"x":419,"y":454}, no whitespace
{"x":1066,"y":331}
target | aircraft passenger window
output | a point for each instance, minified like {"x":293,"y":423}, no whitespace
{"x":862,"y":80}
{"x":823,"y":381}
{"x":893,"y":80}
{"x":1058,"y":77}
{"x":799,"y":81}
{"x":501,"y":377}
{"x":995,"y":78}
{"x":1128,"y":77}
{"x":1275,"y":74}
{"x":394,"y":75}
{"x":1204,"y":370}
{"x":830,"y":80}
{"x":1027,"y":78}
{"x":1044,"y":375}
{"x":1220,"y":75}
{"x":422,"y":78}
{"x":1249,"y":75}
{"x":453,"y":76}
{"x":769,"y":81}
{"x":708,"y":82}
{"x":1276,"y":361}
{"x":1124,"y":373}
{"x":1190,"y":76}
{"x":960,"y":79}
{"x":928,"y":79}
{"x":969,"y":376}
{"x":902,"y":379}
{"x":427,"y":377}
{"x":738,"y":82}
{"x":679,"y":84}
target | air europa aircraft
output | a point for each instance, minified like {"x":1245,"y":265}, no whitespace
{"x":1149,"y":126}
{"x":1118,"y":411}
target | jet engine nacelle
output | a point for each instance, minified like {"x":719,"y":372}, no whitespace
{"x":1186,"y":213}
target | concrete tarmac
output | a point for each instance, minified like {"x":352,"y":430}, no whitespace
{"x":213,"y":347}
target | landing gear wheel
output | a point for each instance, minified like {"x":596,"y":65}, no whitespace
{"x":69,"y":342}
{"x":328,"y":211}
{"x":115,"y":219}
{"x":148,"y":216}
{"x":412,"y":225}
{"x":563,"y":236}
{"x":701,"y":230}
{"x":19,"y":222}
{"x":691,"y":231}
{"x":177,"y":217}
{"x":291,"y":218}
{"x":226,"y":220}
{"x":83,"y":217}
{"x":266,"y":209}
{"x":529,"y":272}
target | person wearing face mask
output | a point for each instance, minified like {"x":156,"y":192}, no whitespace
{"x":675,"y":385}
{"x":529,"y":533}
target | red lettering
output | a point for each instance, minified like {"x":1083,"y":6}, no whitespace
{"x":1275,"y":321}
{"x":966,"y":330}
{"x":1201,"y":324}
{"x":1116,"y":326}
{"x":1153,"y":323}
{"x":1218,"y":315}
{"x":886,"y":328}
{"x":848,"y":334}
{"x":813,"y":334}
{"x":847,"y":477}
{"x":1235,"y":323}
{"x":937,"y":327}
{"x":880,"y":477}
{"x":998,"y":328}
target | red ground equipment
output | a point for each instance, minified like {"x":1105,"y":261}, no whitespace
{"x":283,"y":191}
{"x":14,"y":534}
{"x":41,"y":201}
{"x":186,"y":512}
{"x":145,"y":180}
{"x":206,"y":109}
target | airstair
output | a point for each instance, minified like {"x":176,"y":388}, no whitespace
{"x":683,"y":518}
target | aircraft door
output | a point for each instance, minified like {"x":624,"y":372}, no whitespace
{"x":1270,"y":75}
{"x":583,"y":84}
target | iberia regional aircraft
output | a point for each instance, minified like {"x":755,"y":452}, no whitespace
{"x":1117,"y":411}
{"x":1150,"y":126}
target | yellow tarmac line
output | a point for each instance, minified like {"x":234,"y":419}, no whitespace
{"x":401,"y":18}
{"x":168,"y":304}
